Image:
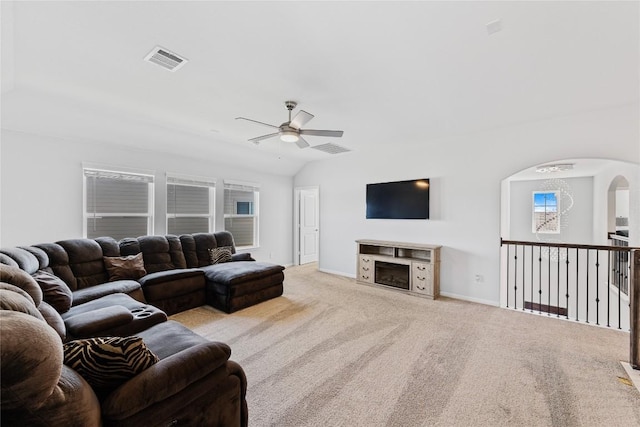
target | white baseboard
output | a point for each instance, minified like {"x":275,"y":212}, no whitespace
{"x":337,"y":273}
{"x":444,"y":294}
{"x":470,"y":299}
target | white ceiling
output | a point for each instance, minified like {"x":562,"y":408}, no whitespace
{"x":384,"y":72}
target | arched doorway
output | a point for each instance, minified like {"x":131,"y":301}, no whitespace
{"x":603,"y":197}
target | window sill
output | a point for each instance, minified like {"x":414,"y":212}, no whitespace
{"x":246,"y":248}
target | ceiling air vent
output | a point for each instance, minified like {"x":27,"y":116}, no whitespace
{"x":330,"y":148}
{"x":165,"y":58}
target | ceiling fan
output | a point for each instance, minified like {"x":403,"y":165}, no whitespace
{"x":291,"y":131}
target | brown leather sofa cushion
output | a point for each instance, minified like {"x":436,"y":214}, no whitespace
{"x":54,"y":290}
{"x":160,"y":253}
{"x":96,"y":321}
{"x":125,"y":268}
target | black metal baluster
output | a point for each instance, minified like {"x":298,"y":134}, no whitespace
{"x":549,"y":281}
{"x":558,"y":283}
{"x":508,"y":276}
{"x":619,"y":292}
{"x":515,"y":278}
{"x":524,"y":283}
{"x":567,"y":281}
{"x":587,"y":300}
{"x":531,"y":282}
{"x":609,"y":254}
{"x":539,"y":279}
{"x":598,"y":288}
{"x":577,"y":284}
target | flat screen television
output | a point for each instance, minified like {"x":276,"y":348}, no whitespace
{"x":399,"y":199}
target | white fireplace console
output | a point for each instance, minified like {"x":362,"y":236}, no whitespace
{"x":413,"y":267}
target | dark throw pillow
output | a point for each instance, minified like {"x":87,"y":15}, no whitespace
{"x":54,"y":291}
{"x":220,"y":255}
{"x":107,"y":362}
{"x":125,"y":268}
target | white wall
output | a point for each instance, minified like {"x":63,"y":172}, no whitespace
{"x":466,"y":173}
{"x":41,"y":190}
{"x":575,"y":227}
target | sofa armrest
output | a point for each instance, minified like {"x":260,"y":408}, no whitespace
{"x":165,"y":276}
{"x":166,"y":378}
{"x":92,"y":322}
{"x":242,"y":257}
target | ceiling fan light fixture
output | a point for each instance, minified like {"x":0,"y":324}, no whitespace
{"x":289,"y":136}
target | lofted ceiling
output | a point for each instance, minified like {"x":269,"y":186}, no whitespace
{"x":383,"y":72}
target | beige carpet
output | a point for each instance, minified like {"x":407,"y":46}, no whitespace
{"x":331,"y":352}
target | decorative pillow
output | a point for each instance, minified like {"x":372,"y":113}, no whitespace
{"x":54,"y":291}
{"x":107,"y":362}
{"x":126,"y":267}
{"x":220,"y":255}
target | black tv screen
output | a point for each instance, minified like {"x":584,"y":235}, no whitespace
{"x":399,"y":200}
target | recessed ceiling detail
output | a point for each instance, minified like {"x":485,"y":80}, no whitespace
{"x":330,"y":148}
{"x":558,"y":167}
{"x":166,"y":59}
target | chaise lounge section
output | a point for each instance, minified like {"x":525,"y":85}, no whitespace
{"x":190,"y":380}
{"x":81,"y":290}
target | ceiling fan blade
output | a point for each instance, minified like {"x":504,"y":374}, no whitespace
{"x":260,"y":138}
{"x":301,"y":143}
{"x":332,"y":133}
{"x":300,"y":119}
{"x":255,"y":121}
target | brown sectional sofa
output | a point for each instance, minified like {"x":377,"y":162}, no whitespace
{"x":193,"y":383}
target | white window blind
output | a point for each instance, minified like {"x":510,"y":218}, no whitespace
{"x":190,"y":205}
{"x":241,"y":203}
{"x":117,"y":204}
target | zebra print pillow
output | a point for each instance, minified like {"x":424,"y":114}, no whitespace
{"x":219,"y":255}
{"x":106,"y":362}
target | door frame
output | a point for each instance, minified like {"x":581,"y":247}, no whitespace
{"x":296,"y":221}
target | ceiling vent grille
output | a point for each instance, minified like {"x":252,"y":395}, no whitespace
{"x":330,"y":148}
{"x":165,"y":58}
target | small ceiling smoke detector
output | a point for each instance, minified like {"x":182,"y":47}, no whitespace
{"x":558,"y":167}
{"x":330,"y":148}
{"x":165,"y":58}
{"x":494,"y":27}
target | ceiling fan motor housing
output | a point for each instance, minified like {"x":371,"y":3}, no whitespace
{"x":290,"y":105}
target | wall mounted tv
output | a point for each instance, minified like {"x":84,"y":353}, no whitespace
{"x":399,"y":199}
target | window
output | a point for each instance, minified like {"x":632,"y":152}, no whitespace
{"x":546,"y":212}
{"x":190,"y":205}
{"x":241,"y":212}
{"x":117,"y":204}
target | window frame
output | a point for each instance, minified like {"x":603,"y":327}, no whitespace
{"x":255,"y":204}
{"x":117,"y":173}
{"x":193,"y":181}
{"x":534,"y":223}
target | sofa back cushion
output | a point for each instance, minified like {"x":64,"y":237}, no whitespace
{"x":23,"y":280}
{"x":24,"y":259}
{"x":109,"y":245}
{"x":160,"y":253}
{"x":196,"y":248}
{"x":76,"y":261}
{"x":225,"y":238}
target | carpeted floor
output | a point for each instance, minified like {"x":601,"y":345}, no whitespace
{"x":331,"y":352}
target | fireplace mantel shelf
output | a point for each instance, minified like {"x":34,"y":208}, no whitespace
{"x":412,"y":267}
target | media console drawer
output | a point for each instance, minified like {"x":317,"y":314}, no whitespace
{"x":365,"y":268}
{"x":412,"y":267}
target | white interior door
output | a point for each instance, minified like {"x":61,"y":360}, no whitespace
{"x":309,"y":225}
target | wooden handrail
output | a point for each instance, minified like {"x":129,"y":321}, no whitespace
{"x":567,"y":245}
